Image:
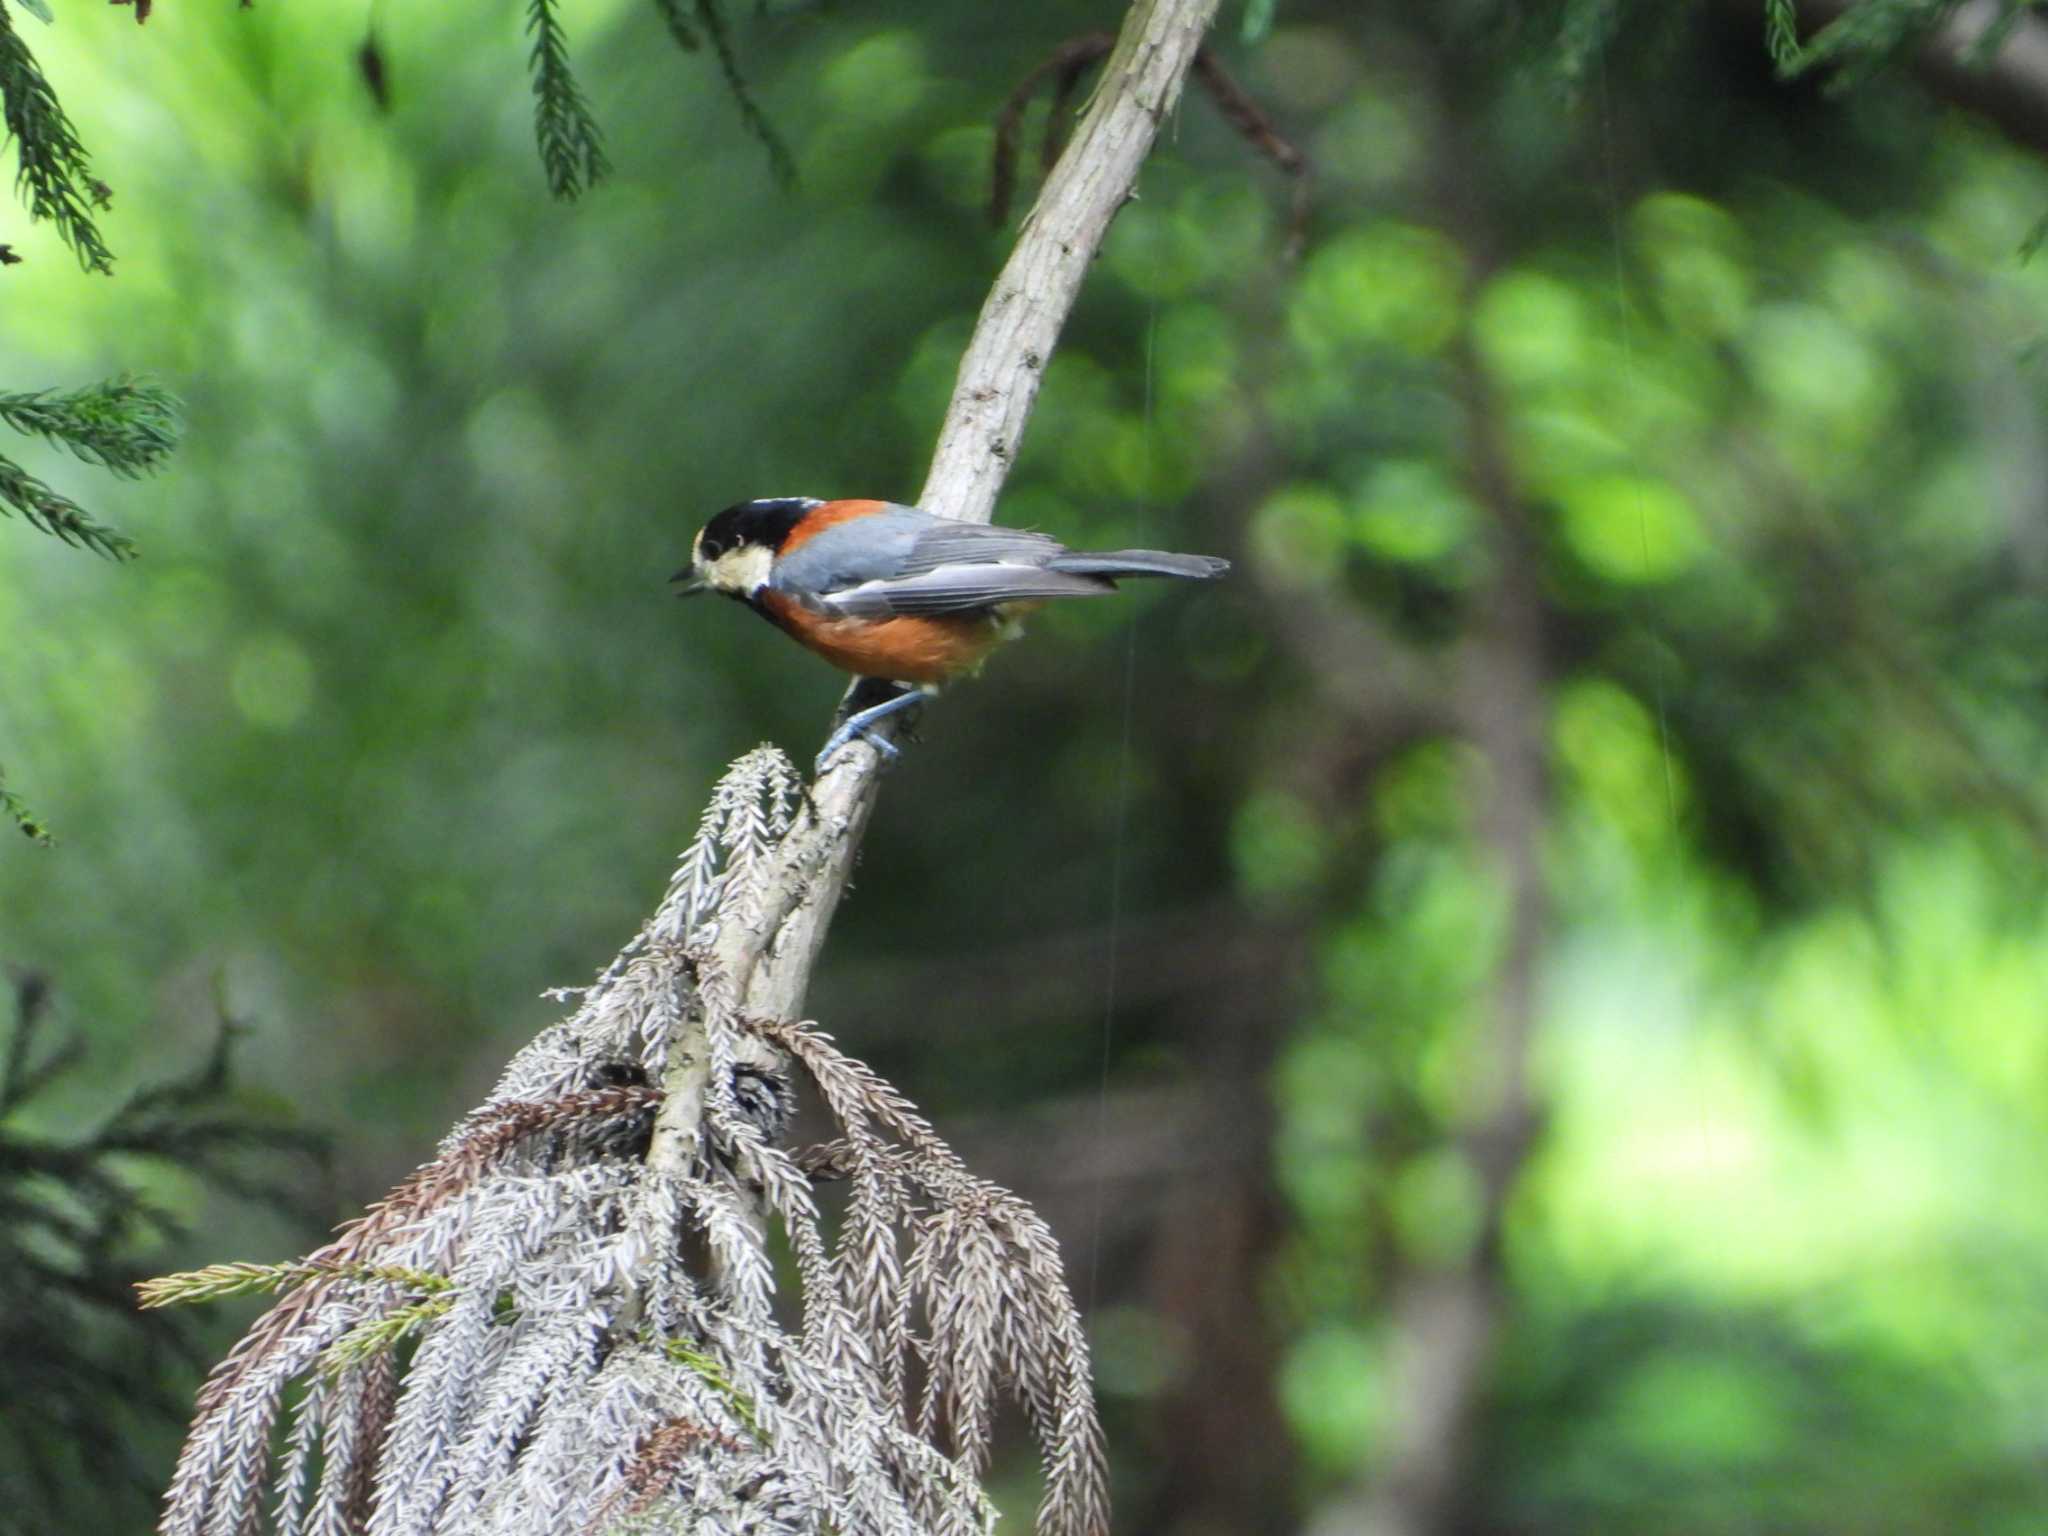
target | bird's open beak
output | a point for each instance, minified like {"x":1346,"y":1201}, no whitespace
{"x":688,"y":583}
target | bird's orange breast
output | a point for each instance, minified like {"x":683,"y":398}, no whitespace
{"x":904,"y":649}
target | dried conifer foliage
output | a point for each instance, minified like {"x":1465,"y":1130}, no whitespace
{"x":568,"y":1320}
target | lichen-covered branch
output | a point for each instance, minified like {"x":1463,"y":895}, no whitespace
{"x":766,"y":959}
{"x":1021,"y":321}
{"x":993,"y":396}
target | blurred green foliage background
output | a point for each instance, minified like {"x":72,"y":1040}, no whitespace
{"x":1524,"y":1006}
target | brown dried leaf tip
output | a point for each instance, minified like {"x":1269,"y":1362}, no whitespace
{"x":657,"y":1466}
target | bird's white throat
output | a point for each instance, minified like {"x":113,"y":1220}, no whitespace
{"x":743,"y":571}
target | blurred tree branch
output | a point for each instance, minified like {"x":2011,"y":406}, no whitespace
{"x":1444,"y":1320}
{"x":571,"y":147}
{"x":1444,"y":1311}
{"x":1444,"y":1316}
{"x":128,"y":426}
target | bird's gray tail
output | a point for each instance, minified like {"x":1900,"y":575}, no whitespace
{"x":1141,"y":562}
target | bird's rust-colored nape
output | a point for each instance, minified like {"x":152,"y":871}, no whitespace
{"x":828,"y":515}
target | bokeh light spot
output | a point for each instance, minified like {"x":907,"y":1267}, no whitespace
{"x":1630,"y":528}
{"x":1389,"y":285}
{"x":1332,"y":1393}
{"x":1410,"y":511}
{"x":272,"y":681}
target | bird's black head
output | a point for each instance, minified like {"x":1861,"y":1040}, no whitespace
{"x":733,"y":550}
{"x":766,"y":522}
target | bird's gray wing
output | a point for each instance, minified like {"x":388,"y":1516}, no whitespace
{"x":948,"y":541}
{"x":958,"y":589}
{"x":900,"y":547}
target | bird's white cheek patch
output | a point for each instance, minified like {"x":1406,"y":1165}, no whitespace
{"x":742,"y":570}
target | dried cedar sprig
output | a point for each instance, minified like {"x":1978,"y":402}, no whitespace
{"x":1258,"y":130}
{"x":658,"y":1461}
{"x":608,"y":1349}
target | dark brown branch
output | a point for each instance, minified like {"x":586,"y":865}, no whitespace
{"x":1070,"y":61}
{"x":1066,"y":63}
{"x":1258,"y":130}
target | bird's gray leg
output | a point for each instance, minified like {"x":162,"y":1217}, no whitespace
{"x":865,"y":693}
{"x":857,"y":725}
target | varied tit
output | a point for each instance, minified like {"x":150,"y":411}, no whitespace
{"x":889,"y":592}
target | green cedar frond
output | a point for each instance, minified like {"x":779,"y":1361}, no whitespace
{"x":127,"y":425}
{"x":713,"y":1376}
{"x":1781,"y":33}
{"x":221,"y":1282}
{"x":374,"y":1335}
{"x":56,"y":179}
{"x":57,"y":514}
{"x":571,"y":149}
{"x":780,"y":161}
